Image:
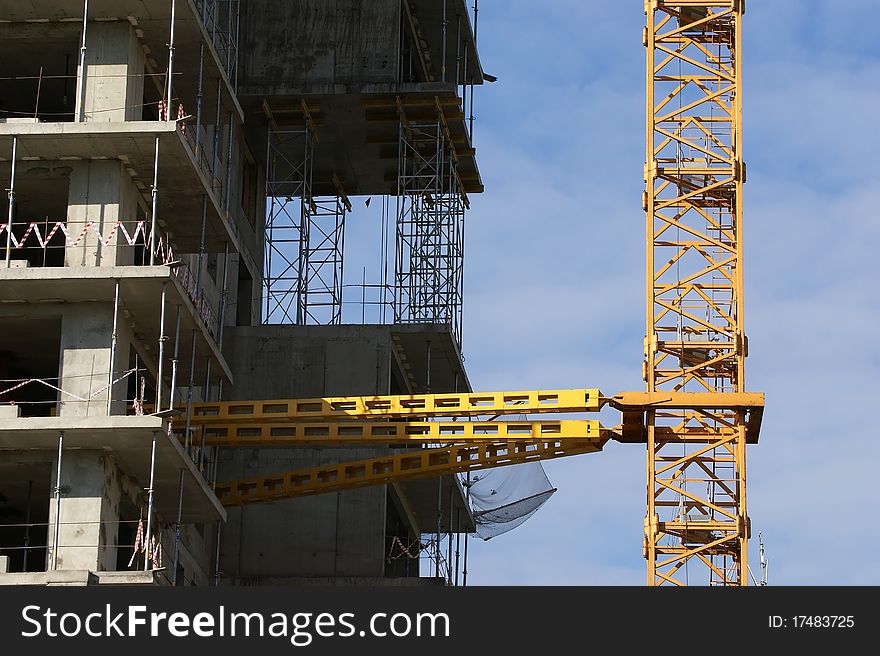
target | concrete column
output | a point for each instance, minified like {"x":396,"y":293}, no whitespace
{"x":101,"y":193}
{"x":85,"y":358}
{"x":90,"y":496}
{"x":114,"y":75}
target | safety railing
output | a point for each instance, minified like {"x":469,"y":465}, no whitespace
{"x":45,"y":243}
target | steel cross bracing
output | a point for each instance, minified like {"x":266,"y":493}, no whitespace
{"x":429,"y":239}
{"x":696,"y":526}
{"x":305,"y":234}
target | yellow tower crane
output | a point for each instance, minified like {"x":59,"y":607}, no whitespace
{"x":695,"y":417}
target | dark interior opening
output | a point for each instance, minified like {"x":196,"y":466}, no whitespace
{"x":31,"y":349}
{"x":38,"y":66}
{"x":244,"y":307}
{"x":24,"y":513}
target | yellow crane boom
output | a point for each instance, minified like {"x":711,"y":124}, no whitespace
{"x":394,"y":468}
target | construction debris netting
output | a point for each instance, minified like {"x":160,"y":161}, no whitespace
{"x":505,"y":497}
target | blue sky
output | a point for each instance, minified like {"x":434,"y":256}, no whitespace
{"x":555,"y":284}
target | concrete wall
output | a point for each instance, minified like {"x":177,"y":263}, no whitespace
{"x":114,"y":73}
{"x":331,"y":534}
{"x":101,"y":192}
{"x":86,"y":330}
{"x":90,"y":496}
{"x":299,"y":45}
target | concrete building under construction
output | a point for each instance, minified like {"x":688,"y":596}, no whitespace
{"x":179,"y":175}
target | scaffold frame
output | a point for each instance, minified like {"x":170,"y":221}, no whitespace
{"x":429,"y":230}
{"x":288,"y":192}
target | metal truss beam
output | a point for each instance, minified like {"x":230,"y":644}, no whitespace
{"x":371,"y":433}
{"x":467,"y":404}
{"x":696,"y":527}
{"x":394,"y":468}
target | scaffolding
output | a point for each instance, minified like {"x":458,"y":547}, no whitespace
{"x":429,"y":236}
{"x":323,"y":265}
{"x":305,"y":233}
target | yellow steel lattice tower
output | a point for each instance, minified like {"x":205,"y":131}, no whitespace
{"x":696,"y":527}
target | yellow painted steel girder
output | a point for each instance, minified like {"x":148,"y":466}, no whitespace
{"x":399,"y":406}
{"x":367,"y":433}
{"x":696,"y":526}
{"x":394,"y":468}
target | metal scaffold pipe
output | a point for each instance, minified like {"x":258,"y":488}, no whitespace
{"x":113,"y":344}
{"x":11,"y":205}
{"x":175,"y":359}
{"x":82,"y":64}
{"x":176,"y":557}
{"x":57,"y":536}
{"x":168,"y":89}
{"x":149,"y":533}
{"x":200,"y":92}
{"x":223,"y":295}
{"x":189,"y":391}
{"x":155,"y":204}
{"x":162,"y":339}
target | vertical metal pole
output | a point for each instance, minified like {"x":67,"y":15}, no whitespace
{"x":162,"y":339}
{"x":189,"y":390}
{"x":449,"y":537}
{"x":227,"y":192}
{"x":206,"y":396}
{"x":82,"y":64}
{"x":216,"y":145}
{"x":266,"y":282}
{"x":223,"y":296}
{"x":217,"y":556}
{"x":457,"y":50}
{"x":439,"y":518}
{"x":428,"y":368}
{"x":228,"y":35}
{"x":364,"y":298}
{"x":457,"y":542}
{"x":113,"y":342}
{"x":199,"y":95}
{"x":149,"y":533}
{"x":11,"y":196}
{"x":201,"y":247}
{"x":27,"y":529}
{"x":168,"y":88}
{"x":237,"y":27}
{"x":175,"y":560}
{"x":476,"y":15}
{"x":174,"y":360}
{"x":464,"y":569}
{"x":155,"y":208}
{"x":467,"y":494}
{"x":57,"y":536}
{"x":443,"y":46}
{"x":207,"y":378}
